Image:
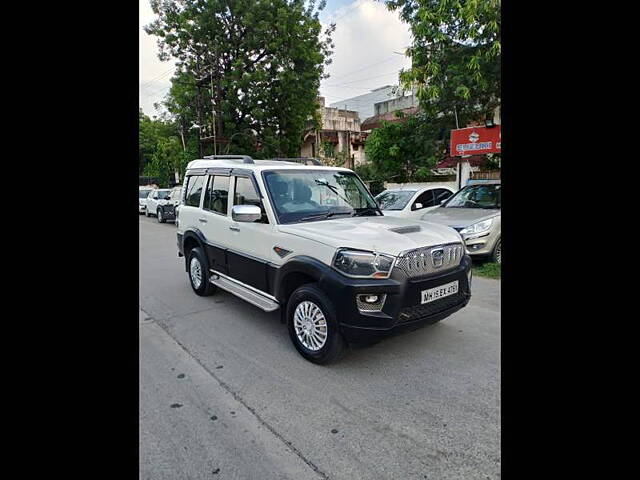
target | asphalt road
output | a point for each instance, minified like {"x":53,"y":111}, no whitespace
{"x":224,"y":395}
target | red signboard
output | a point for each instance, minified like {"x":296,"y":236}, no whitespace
{"x":475,"y":141}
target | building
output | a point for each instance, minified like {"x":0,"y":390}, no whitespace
{"x":340,"y":134}
{"x":364,"y":104}
{"x":405,"y":104}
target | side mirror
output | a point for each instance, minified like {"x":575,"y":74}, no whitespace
{"x":246,"y":213}
{"x":417,"y":206}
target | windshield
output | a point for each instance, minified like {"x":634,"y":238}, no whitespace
{"x":476,"y":196}
{"x":143,"y":193}
{"x":162,"y":195}
{"x":175,"y":194}
{"x":394,"y":199}
{"x":310,"y":195}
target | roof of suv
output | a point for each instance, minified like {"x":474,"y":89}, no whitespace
{"x":258,"y":165}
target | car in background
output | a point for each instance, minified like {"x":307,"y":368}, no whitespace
{"x":168,"y":210}
{"x":412,"y":202}
{"x":143,"y":193}
{"x":156,"y":199}
{"x":474,"y":212}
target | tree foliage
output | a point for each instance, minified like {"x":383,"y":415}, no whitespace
{"x":161,"y":152}
{"x":455,"y":73}
{"x":149,"y":132}
{"x":404,"y":152}
{"x":260,"y":61}
{"x":455,"y":54}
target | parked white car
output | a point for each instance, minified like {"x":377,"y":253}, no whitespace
{"x":412,"y":202}
{"x":143,"y":194}
{"x":155,"y":199}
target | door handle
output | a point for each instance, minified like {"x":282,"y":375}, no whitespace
{"x":202,"y":220}
{"x":235,"y":229}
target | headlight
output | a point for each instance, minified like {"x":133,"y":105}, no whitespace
{"x":358,"y":263}
{"x":477,"y":227}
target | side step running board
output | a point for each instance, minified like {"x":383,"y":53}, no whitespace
{"x":244,"y":292}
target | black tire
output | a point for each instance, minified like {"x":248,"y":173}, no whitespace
{"x":496,"y":255}
{"x":159,"y":216}
{"x":205,"y":288}
{"x":335,"y":343}
{"x":146,"y":212}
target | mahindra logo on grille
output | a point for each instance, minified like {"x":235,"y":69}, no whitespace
{"x":437,"y":257}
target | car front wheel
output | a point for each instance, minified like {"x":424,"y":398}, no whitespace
{"x":159,"y":216}
{"x":496,"y":256}
{"x":313,"y":326}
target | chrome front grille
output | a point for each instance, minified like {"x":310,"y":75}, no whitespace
{"x":426,"y":260}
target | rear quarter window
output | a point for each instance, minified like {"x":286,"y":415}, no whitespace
{"x":194,"y":190}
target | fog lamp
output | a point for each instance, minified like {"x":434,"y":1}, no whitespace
{"x":368,"y":302}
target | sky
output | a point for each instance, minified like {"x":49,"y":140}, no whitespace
{"x":369,"y":45}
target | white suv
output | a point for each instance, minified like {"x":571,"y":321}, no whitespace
{"x":311,"y":241}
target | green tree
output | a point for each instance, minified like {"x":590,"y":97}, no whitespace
{"x":455,"y":72}
{"x":166,"y":159}
{"x":160,"y":151}
{"x":262,"y":59}
{"x":455,"y":55}
{"x":404,"y":152}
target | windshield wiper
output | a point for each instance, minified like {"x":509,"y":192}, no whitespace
{"x":323,"y":216}
{"x":332,"y":188}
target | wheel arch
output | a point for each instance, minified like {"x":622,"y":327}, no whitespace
{"x":298,"y":271}
{"x":190,"y":240}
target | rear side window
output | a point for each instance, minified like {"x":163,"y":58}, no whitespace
{"x":441,"y":194}
{"x":426,"y":199}
{"x":194,"y":190}
{"x":217,"y":197}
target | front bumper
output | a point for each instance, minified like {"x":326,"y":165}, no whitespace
{"x":402,"y":309}
{"x":482,"y":245}
{"x":168,"y":212}
{"x":142,"y":208}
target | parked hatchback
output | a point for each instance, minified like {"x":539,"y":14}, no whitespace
{"x":411,"y":202}
{"x":475,"y":213}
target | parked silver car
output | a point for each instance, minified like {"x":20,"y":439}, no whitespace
{"x":474,"y":212}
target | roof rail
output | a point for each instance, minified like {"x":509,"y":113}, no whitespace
{"x":305,"y":160}
{"x":244,"y":158}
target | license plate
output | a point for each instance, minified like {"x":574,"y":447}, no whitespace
{"x":437,"y":293}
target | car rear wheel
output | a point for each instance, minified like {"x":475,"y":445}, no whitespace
{"x":198,"y":273}
{"x":313,"y":326}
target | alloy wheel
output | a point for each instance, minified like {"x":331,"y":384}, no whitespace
{"x":195,"y":270}
{"x":310,"y":325}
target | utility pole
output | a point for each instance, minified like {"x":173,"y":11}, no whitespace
{"x":199,"y":114}
{"x":213,"y":116}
